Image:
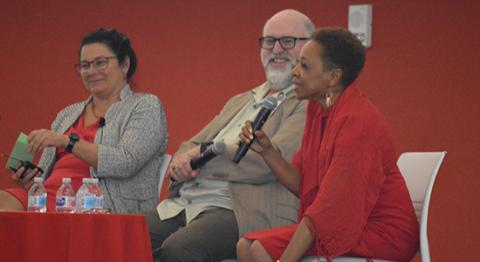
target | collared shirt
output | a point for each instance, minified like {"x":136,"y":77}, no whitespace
{"x":199,"y":194}
{"x":229,"y":133}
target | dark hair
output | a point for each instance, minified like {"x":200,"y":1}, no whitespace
{"x":341,"y":49}
{"x":117,"y":42}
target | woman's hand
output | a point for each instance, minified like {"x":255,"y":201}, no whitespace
{"x":180,"y":169}
{"x":42,"y":138}
{"x":286,"y":173}
{"x":24,"y":178}
{"x":262,"y":143}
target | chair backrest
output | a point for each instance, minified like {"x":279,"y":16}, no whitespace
{"x":420,"y":171}
{"x":163,"y":170}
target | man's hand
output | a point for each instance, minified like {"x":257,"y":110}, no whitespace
{"x":180,"y":169}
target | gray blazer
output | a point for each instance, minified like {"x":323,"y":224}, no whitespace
{"x":131,"y":146}
{"x":259,"y":200}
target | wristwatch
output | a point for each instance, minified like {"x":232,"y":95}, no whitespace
{"x":73,"y":140}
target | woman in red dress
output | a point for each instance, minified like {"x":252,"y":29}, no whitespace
{"x":353,"y":199}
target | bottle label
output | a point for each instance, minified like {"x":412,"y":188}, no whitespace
{"x":99,"y":202}
{"x":65,"y":201}
{"x":60,"y":202}
{"x":89,"y":202}
{"x":37,"y":201}
{"x":70,"y":201}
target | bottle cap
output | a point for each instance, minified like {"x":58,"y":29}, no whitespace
{"x":66,"y":180}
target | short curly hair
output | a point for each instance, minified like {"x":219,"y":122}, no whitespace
{"x":343,"y":50}
{"x":117,"y":42}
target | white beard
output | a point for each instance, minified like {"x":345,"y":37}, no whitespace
{"x":279,"y":78}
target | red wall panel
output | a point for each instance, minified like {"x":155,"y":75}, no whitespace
{"x":196,"y":54}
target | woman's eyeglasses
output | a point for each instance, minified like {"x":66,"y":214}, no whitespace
{"x":99,"y":63}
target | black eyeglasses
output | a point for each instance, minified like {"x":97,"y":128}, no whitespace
{"x":100,"y":63}
{"x":286,"y":42}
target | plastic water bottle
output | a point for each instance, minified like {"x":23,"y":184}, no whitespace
{"x":84,"y":198}
{"x":65,"y":201}
{"x":97,"y":193}
{"x":37,"y":196}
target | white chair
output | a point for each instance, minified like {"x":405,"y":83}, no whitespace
{"x":419,"y":170}
{"x":163,"y":170}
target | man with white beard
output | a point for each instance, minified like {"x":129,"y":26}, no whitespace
{"x":208,"y":209}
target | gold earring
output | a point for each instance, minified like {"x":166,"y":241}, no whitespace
{"x":328,"y":99}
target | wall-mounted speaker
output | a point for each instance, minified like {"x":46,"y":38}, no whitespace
{"x":360,"y":22}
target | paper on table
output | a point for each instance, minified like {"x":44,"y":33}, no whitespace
{"x":19,"y":152}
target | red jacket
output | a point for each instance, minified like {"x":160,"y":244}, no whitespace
{"x":352,"y":191}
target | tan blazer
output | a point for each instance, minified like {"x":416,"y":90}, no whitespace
{"x":258,"y":200}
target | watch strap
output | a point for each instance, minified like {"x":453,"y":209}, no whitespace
{"x":73,"y":140}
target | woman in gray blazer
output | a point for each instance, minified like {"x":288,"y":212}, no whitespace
{"x":115,"y":135}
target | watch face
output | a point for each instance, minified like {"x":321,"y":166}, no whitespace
{"x":74,"y":137}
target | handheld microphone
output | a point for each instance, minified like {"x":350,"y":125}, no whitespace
{"x":268,"y":105}
{"x":212,"y":151}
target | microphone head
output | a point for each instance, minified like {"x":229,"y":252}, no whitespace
{"x":219,"y":147}
{"x":270,"y":103}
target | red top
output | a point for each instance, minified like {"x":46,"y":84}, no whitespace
{"x":67,"y":165}
{"x":351,"y":183}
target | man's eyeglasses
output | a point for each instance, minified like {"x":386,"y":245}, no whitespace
{"x":100,"y":63}
{"x":286,"y":42}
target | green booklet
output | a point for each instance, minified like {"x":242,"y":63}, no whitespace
{"x":19,"y":152}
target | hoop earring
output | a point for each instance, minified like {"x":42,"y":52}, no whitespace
{"x":328,"y":99}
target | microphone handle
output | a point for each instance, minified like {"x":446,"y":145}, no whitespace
{"x":241,"y":152}
{"x":260,"y":120}
{"x":196,"y":164}
{"x":202,"y":159}
{"x":257,"y":125}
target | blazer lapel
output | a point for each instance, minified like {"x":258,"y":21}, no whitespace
{"x":228,"y":115}
{"x":76,"y":112}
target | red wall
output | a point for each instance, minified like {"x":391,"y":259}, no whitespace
{"x":195,"y":54}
